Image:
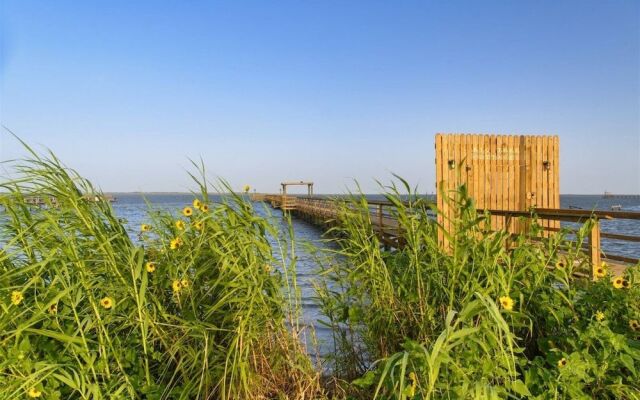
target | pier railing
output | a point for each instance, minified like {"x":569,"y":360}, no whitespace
{"x":383,"y":215}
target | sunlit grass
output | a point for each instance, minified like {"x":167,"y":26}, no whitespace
{"x":491,"y":316}
{"x":197,"y":309}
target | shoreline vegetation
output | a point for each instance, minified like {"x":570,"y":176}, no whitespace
{"x":204,"y":307}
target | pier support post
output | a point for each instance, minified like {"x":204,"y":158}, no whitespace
{"x":594,"y":248}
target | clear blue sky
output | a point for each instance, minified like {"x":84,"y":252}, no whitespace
{"x":126,"y":91}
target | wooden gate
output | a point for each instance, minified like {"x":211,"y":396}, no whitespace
{"x":501,"y":172}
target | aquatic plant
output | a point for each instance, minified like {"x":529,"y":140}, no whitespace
{"x":196,"y":309}
{"x":490,"y":316}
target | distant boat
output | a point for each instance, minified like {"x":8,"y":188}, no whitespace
{"x":616,"y":207}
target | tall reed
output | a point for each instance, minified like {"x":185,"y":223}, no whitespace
{"x":491,"y":316}
{"x":195,"y":310}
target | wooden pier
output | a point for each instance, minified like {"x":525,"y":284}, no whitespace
{"x":609,"y":195}
{"x":325,"y":211}
{"x":513,"y":177}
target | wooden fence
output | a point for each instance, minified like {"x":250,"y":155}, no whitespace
{"x":501,"y":172}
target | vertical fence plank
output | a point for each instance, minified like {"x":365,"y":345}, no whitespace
{"x":476,"y":169}
{"x":469,"y":163}
{"x":512,"y":185}
{"x":504,"y":178}
{"x":556,"y":176}
{"x":448,"y":154}
{"x":439,"y":184}
{"x":544,"y":181}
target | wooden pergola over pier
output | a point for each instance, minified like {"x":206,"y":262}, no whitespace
{"x":309,"y":186}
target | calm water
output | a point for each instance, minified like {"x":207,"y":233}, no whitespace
{"x":132,"y":208}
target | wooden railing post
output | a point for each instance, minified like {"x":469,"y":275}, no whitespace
{"x":380,"y":216}
{"x":594,"y":248}
{"x":507,"y":225}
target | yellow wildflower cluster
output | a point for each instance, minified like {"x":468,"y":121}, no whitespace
{"x":145,"y":228}
{"x":599,"y":316}
{"x":619,"y":282}
{"x":562,"y":362}
{"x":199,"y":205}
{"x":150,"y":266}
{"x":506,"y":302}
{"x":16,"y":297}
{"x":179,"y":284}
{"x":413,"y":383}
{"x":601,"y":271}
{"x":175,"y":243}
{"x":34,"y":393}
{"x":634,"y":324}
{"x":106,"y":302}
{"x":180,"y":225}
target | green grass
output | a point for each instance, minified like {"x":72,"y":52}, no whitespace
{"x":84,"y":315}
{"x":208,"y":322}
{"x":424,"y":322}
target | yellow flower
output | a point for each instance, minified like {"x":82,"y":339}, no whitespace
{"x":626,"y":284}
{"x":204,"y":208}
{"x":561,"y":263}
{"x":562,"y":362}
{"x":634,"y":324}
{"x":176,"y":286}
{"x":187,"y":211}
{"x":618,"y":282}
{"x":16,"y":297}
{"x":199,"y":225}
{"x":145,"y":228}
{"x":33,"y":392}
{"x":197,"y":203}
{"x":599,"y":316}
{"x":175,"y":243}
{"x":267,"y":268}
{"x":151,"y":266}
{"x":180,"y":225}
{"x":53,"y":309}
{"x":601,"y":271}
{"x":185,"y":283}
{"x":506,"y":302}
{"x":106,"y":302}
{"x":246,"y":188}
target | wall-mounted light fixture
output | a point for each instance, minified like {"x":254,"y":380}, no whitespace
{"x":546,"y":165}
{"x":452,"y":164}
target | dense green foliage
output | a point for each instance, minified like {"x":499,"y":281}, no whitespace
{"x":481,"y":319}
{"x":204,"y":305}
{"x":196,"y":309}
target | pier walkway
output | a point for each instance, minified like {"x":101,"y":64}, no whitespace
{"x":325,"y":211}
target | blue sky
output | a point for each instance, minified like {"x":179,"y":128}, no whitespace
{"x":330,"y":91}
